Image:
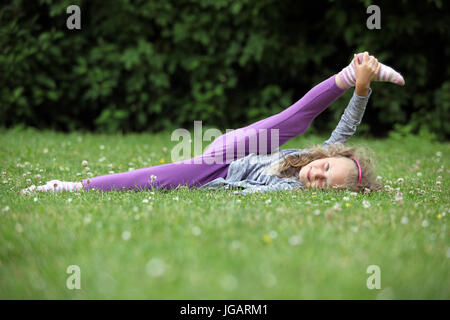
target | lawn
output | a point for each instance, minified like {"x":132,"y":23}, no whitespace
{"x":192,"y":244}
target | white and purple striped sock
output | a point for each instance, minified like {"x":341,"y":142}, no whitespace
{"x":386,"y":74}
{"x":54,"y":186}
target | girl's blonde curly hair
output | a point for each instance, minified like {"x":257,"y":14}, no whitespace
{"x":290,"y":166}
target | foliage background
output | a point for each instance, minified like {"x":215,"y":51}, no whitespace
{"x":159,"y":65}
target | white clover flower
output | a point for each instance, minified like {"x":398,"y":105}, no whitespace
{"x":145,"y":201}
{"x":5,"y":209}
{"x":400,"y":180}
{"x":273,"y":234}
{"x":45,"y":150}
{"x":337,"y":207}
{"x":295,"y":240}
{"x":404,"y":220}
{"x":235,"y":244}
{"x":19,"y":228}
{"x":84,"y":163}
{"x":425,"y":223}
{"x":398,"y":196}
{"x":366,"y":204}
{"x":153,"y":177}
{"x":267,"y":201}
{"x":316,"y":212}
{"x":229,"y":282}
{"x":126,"y":235}
{"x":419,"y":174}
{"x":102,"y":147}
{"x":196,"y":231}
{"x":87,"y":220}
{"x":379,"y":178}
{"x":346,"y":198}
{"x":353,"y":194}
{"x":155,"y":267}
{"x":176,"y":198}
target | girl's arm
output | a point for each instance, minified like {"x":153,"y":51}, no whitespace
{"x":350,"y":120}
{"x":365,"y":72}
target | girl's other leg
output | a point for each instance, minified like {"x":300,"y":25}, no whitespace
{"x":192,"y":173}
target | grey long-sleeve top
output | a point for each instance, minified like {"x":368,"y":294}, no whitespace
{"x":252,"y":173}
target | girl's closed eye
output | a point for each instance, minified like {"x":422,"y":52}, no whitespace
{"x":327,"y":167}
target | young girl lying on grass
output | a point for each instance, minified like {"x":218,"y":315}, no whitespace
{"x":332,"y":165}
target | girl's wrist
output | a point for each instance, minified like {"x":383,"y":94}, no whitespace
{"x":362,"y":88}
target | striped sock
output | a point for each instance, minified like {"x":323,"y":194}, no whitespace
{"x":54,"y":186}
{"x":386,"y":74}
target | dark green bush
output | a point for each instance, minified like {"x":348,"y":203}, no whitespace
{"x":153,"y":65}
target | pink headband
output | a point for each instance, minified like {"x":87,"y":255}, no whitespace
{"x":359,"y":170}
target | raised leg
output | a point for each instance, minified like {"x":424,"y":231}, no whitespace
{"x":266,"y":135}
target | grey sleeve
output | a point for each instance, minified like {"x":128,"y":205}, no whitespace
{"x":350,"y":120}
{"x":266,"y":188}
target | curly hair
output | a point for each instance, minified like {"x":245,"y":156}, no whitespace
{"x":290,"y":166}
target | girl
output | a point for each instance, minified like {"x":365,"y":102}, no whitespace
{"x":332,"y":165}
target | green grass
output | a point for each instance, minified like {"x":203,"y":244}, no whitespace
{"x":216,"y":244}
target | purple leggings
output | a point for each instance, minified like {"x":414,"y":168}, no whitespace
{"x":196,"y":172}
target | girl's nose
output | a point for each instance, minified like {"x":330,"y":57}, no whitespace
{"x":318,"y":174}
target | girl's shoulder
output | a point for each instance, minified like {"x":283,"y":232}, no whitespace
{"x":293,"y":151}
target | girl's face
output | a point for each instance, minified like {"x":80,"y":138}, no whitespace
{"x":327,"y":172}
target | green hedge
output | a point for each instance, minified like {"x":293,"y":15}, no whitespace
{"x":154,"y":65}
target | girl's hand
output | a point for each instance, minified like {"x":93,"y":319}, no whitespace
{"x":365,"y":73}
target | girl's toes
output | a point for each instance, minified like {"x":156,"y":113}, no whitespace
{"x":399,"y":80}
{"x":28,"y":191}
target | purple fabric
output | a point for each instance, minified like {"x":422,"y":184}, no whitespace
{"x":214,"y":162}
